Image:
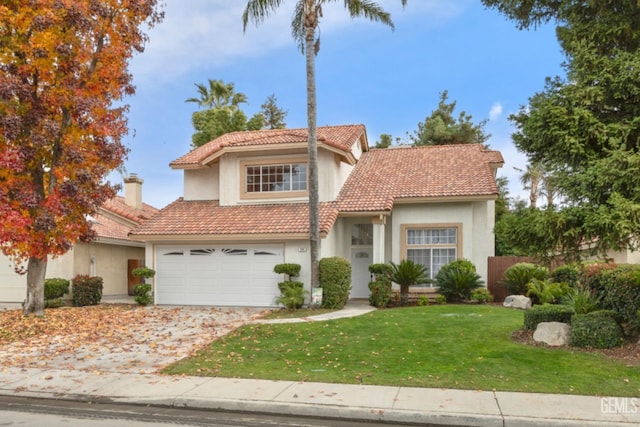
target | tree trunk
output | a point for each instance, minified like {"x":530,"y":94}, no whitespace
{"x":36,"y":270}
{"x":314,"y":204}
{"x":404,"y":295}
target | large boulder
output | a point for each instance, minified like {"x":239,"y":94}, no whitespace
{"x":552,"y":333}
{"x":517,"y":301}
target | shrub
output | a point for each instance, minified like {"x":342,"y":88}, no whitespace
{"x":290,"y":270}
{"x":568,"y":273}
{"x":292,"y":295}
{"x":335,"y":281}
{"x":381,"y":271}
{"x":86,"y":290}
{"x":546,"y":292}
{"x":55,"y":288}
{"x":517,"y":277}
{"x":440,"y":299}
{"x":53,"y":303}
{"x":591,"y":275}
{"x":582,"y":300}
{"x":596,"y":331}
{"x":547,"y":313}
{"x":407,"y":274}
{"x":380,"y":293}
{"x":621,"y":293}
{"x":142,"y":294}
{"x":423,"y":301}
{"x":457,"y":280}
{"x":144,"y":272}
{"x":482,"y":295}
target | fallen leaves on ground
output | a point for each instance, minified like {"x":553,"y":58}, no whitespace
{"x":120,"y":338}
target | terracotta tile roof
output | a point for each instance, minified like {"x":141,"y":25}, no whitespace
{"x":207,"y":217}
{"x":383,"y":176}
{"x":107,"y":225}
{"x":118,"y":206}
{"x":339,"y":137}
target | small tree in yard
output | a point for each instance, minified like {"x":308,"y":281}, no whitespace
{"x":63,"y":66}
{"x":407,"y":274}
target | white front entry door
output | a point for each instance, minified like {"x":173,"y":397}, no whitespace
{"x":229,"y":275}
{"x":361,"y":258}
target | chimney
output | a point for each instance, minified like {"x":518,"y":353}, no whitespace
{"x":133,"y":191}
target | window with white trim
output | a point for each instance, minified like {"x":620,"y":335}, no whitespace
{"x":288,"y":177}
{"x":432,"y":247}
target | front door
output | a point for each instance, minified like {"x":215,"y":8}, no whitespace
{"x":360,"y":276}
{"x":361,"y":259}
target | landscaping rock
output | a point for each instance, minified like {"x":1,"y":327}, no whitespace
{"x":552,"y":333}
{"x":517,"y":301}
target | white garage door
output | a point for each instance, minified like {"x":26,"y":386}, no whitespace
{"x":218,"y":275}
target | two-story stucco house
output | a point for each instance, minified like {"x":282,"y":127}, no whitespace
{"x":245,"y":209}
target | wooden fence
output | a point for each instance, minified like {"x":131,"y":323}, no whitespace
{"x":497,"y":265}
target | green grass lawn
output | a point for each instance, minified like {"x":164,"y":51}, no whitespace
{"x":449,"y":346}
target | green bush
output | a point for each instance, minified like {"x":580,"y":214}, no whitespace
{"x":292,"y":296}
{"x":440,"y":299}
{"x":380,"y":293}
{"x":407,"y":274}
{"x":142,"y":294}
{"x":546,"y":292}
{"x":380,"y":271}
{"x":582,"y":299}
{"x":55,"y":288}
{"x":595,"y":331}
{"x":86,"y":290}
{"x":335,"y":281}
{"x":517,"y":277}
{"x":290,"y":270}
{"x":457,"y":280}
{"x":482,"y":295}
{"x":591,"y":275}
{"x":621,"y":293}
{"x":568,"y":273}
{"x":53,"y":303}
{"x":547,"y":313}
{"x":423,"y":301}
{"x":144,"y":272}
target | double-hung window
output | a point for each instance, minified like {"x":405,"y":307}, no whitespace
{"x":431,"y":246}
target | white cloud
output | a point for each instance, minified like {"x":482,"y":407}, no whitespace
{"x":496,"y":111}
{"x":208,"y":34}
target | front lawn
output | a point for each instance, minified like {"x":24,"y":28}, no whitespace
{"x":448,"y":346}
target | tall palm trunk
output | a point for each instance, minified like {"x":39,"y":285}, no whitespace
{"x":36,"y":270}
{"x":314,"y":197}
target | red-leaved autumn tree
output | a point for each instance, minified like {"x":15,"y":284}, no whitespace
{"x":63,"y":76}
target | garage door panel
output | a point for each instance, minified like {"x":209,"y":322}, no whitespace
{"x":218,"y":274}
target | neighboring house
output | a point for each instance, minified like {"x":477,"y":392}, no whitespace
{"x":245,"y":209}
{"x":110,"y":256}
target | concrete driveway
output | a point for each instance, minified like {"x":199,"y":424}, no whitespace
{"x":147,"y":339}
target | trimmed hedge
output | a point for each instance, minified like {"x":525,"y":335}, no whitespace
{"x":86,"y":290}
{"x":547,"y":313}
{"x":595,"y":330}
{"x":568,"y":273}
{"x":142,"y":294}
{"x":291,"y":270}
{"x":380,"y":293}
{"x":335,"y":281}
{"x":55,"y":288}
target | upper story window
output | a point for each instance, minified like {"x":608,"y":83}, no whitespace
{"x":286,"y":177}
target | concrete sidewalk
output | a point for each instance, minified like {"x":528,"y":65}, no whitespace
{"x":416,"y":406}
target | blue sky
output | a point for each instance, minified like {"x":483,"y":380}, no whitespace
{"x":366,"y":73}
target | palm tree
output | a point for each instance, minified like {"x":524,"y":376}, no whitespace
{"x":304,"y":28}
{"x":218,"y":95}
{"x":407,"y":274}
{"x":531,"y":178}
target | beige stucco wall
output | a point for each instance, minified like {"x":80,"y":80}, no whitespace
{"x":476,"y":219}
{"x":110,"y":263}
{"x":202,"y":184}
